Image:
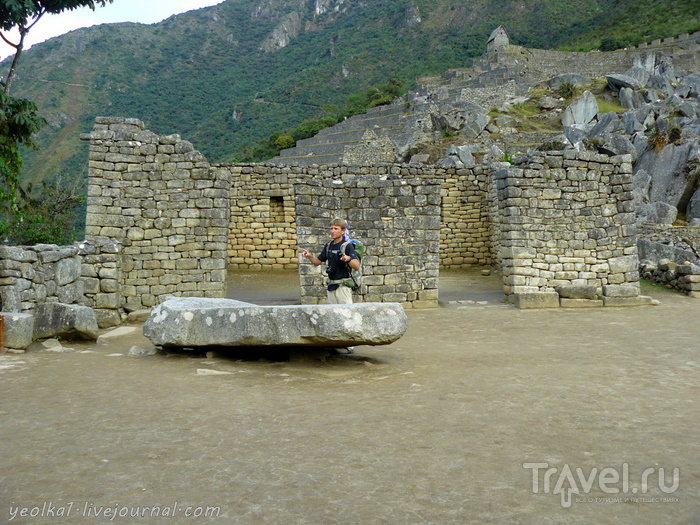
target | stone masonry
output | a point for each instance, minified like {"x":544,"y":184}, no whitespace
{"x":263,"y":232}
{"x":163,"y":222}
{"x":44,"y":273}
{"x":567,"y":219}
{"x":168,"y":208}
{"x":398,"y":220}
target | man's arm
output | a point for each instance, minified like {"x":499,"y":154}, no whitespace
{"x":350,"y":258}
{"x":314,"y":260}
{"x":354,"y":263}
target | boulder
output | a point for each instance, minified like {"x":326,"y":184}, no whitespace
{"x":673,"y":183}
{"x":691,"y":85}
{"x":475,"y":125}
{"x":693,"y":211}
{"x":616,"y":144}
{"x":196,"y":322}
{"x":582,"y":111}
{"x":556,"y":143}
{"x":68,"y":321}
{"x":656,"y":213}
{"x":606,"y":123}
{"x":464,"y":153}
{"x":617,"y":82}
{"x":630,"y":99}
{"x":640,"y":74}
{"x":19,"y":329}
{"x":640,"y":187}
{"x":451,"y":161}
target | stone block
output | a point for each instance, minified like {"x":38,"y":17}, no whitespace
{"x":193,"y":322}
{"x":69,"y":321}
{"x":576,"y":291}
{"x":581,"y":303}
{"x":107,"y":318}
{"x":627,"y":263}
{"x":528,"y":300}
{"x":640,"y":300}
{"x":19,"y":330}
{"x":621,"y":290}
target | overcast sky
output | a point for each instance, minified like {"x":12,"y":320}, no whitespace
{"x":144,"y":11}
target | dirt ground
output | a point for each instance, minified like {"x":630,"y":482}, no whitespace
{"x":481,"y":413}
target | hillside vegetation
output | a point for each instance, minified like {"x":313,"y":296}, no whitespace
{"x":227,"y":76}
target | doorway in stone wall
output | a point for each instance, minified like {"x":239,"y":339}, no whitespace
{"x":470,"y":286}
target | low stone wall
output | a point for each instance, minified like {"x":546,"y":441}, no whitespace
{"x":684,"y":277}
{"x":567,"y":218}
{"x":44,"y":273}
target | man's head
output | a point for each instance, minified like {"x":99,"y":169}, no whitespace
{"x":338,"y":227}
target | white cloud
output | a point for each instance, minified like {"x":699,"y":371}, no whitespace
{"x":144,"y":11}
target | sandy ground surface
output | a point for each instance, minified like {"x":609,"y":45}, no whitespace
{"x":481,"y":413}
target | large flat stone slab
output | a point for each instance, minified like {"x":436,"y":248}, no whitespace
{"x":193,"y":321}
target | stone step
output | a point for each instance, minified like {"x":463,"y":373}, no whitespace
{"x":363,"y":122}
{"x":308,"y":159}
{"x":317,"y":149}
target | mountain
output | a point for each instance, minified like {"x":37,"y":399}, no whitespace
{"x":229,"y":75}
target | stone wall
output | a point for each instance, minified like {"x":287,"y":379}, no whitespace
{"x":170,"y":211}
{"x":684,"y":277}
{"x":258,"y":240}
{"x":164,"y":222}
{"x":102,"y":271}
{"x":370,"y":150}
{"x":398,"y":220}
{"x":174,"y":221}
{"x":44,"y":273}
{"x":567,"y":218}
{"x":262,"y":232}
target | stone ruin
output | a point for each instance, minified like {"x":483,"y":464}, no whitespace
{"x":163,"y":222}
{"x":160,"y":224}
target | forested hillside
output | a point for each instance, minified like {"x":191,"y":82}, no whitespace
{"x":226,"y":76}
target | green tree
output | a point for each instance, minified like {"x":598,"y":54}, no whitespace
{"x":285,"y":141}
{"x":48,"y":214}
{"x":18,"y":122}
{"x":19,"y":119}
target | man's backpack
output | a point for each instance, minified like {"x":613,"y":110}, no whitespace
{"x":355,"y":275}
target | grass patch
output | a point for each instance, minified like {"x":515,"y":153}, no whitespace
{"x":605,"y":106}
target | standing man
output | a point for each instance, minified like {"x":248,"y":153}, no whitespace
{"x":338,"y":263}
